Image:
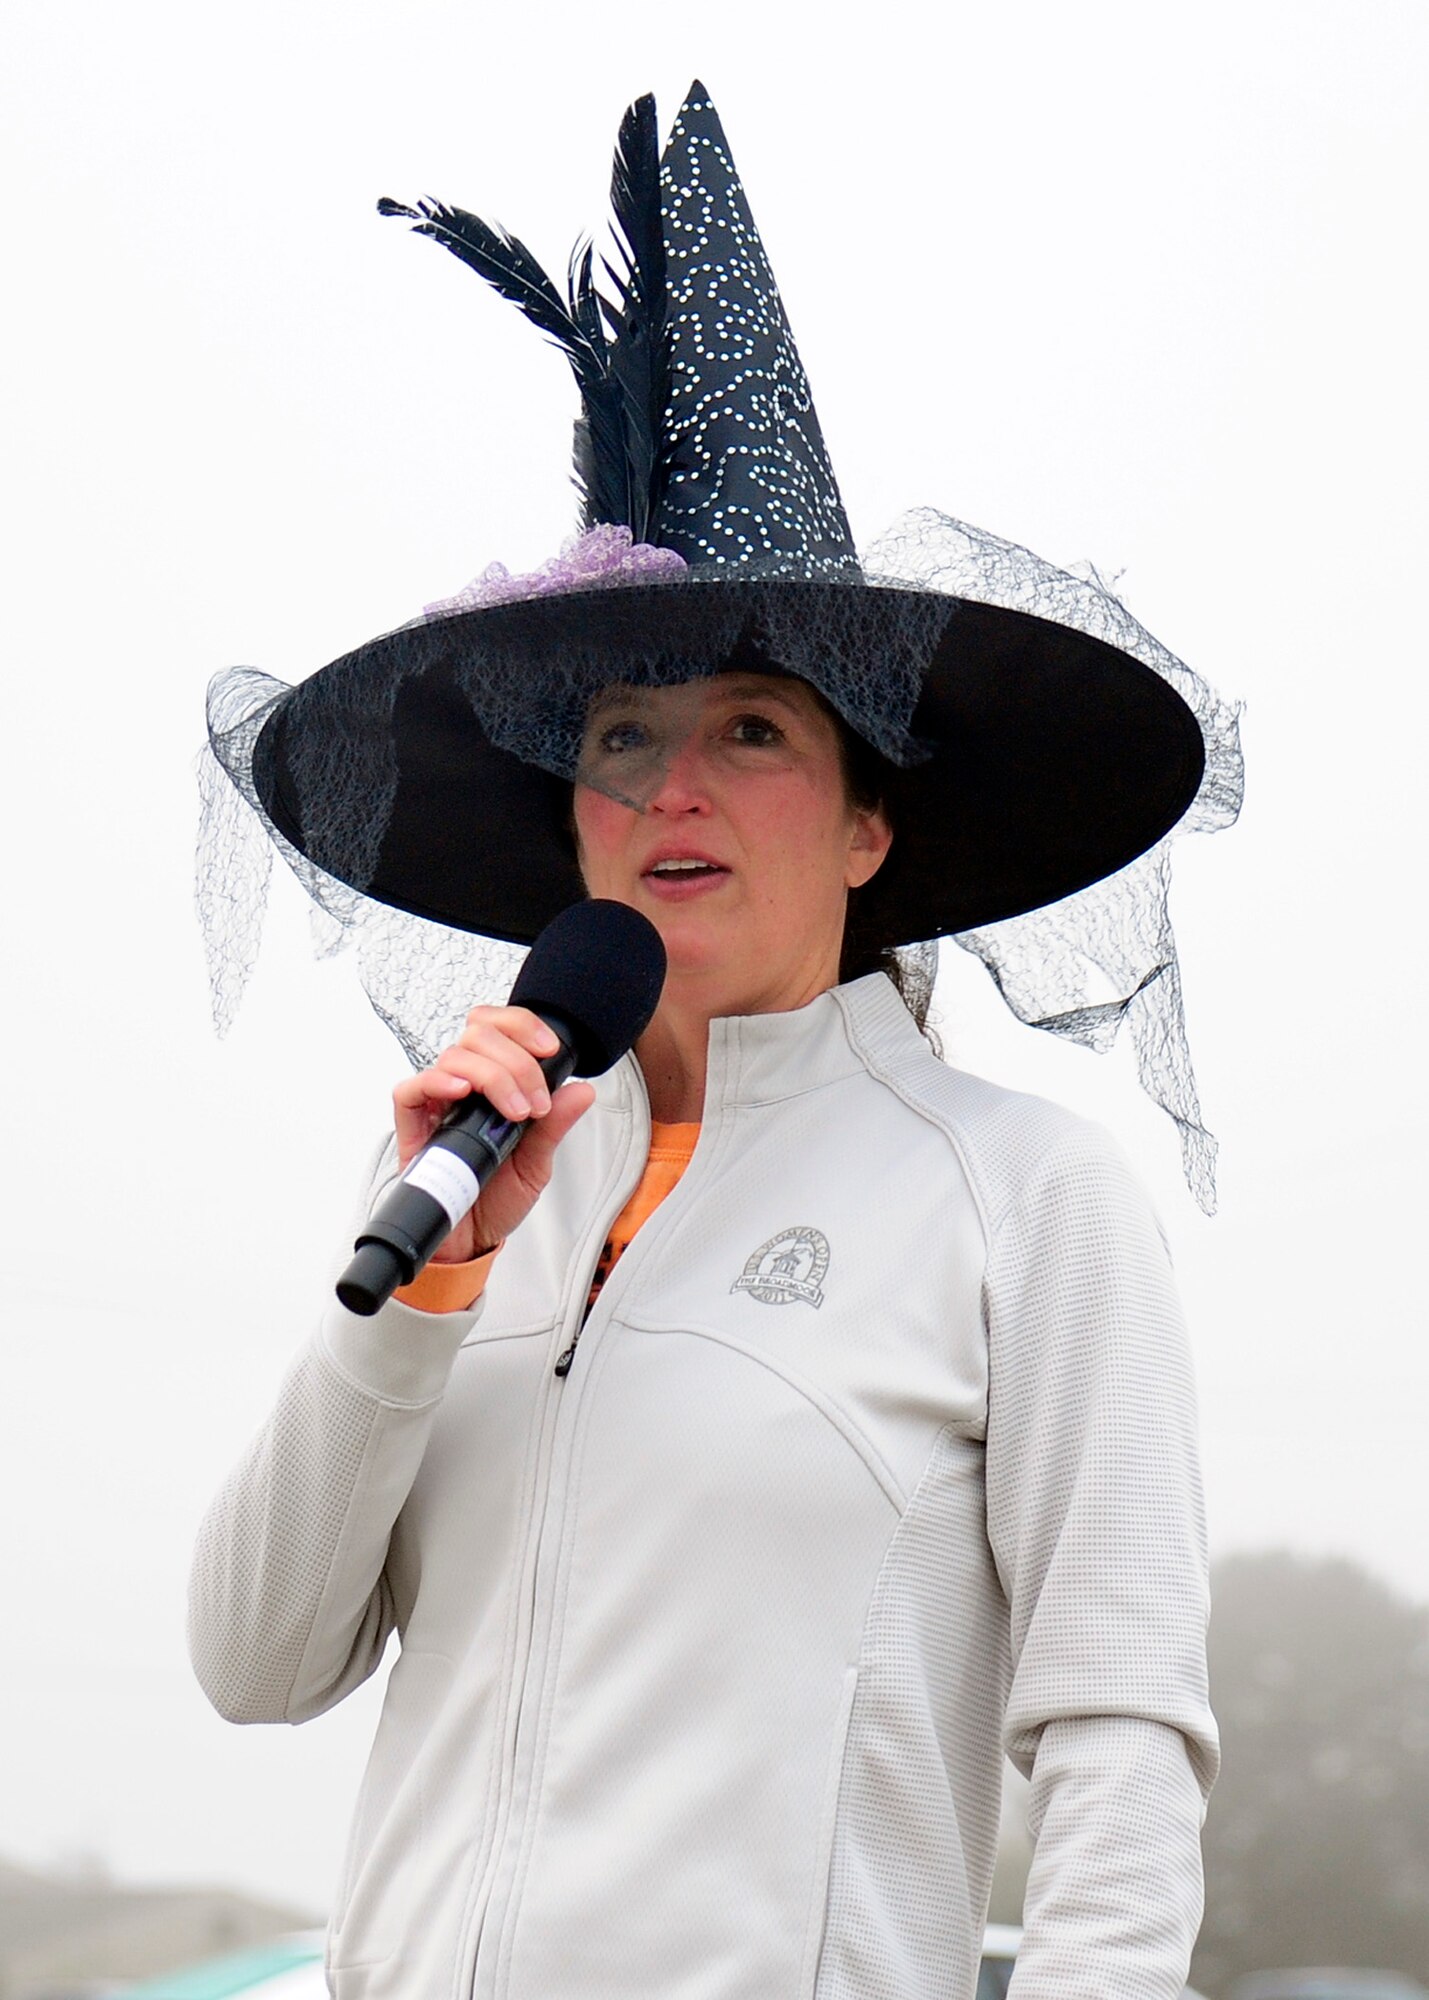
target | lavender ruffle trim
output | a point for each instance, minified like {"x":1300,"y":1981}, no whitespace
{"x":605,"y":555}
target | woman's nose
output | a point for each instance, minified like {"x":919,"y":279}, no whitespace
{"x":683,"y":786}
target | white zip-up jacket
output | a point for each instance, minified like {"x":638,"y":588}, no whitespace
{"x":876,"y":1459}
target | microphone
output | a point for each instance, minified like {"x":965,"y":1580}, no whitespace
{"x":594,"y":977}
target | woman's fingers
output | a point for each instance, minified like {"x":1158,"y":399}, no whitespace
{"x":512,"y":1192}
{"x":501,"y":1071}
{"x":520,"y":1024}
{"x":543,"y":1135}
{"x":418,"y":1105}
{"x":515,"y":1040}
{"x":496,"y":1055}
{"x":512,"y":1039}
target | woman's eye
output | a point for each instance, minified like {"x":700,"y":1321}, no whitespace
{"x":617,"y":737}
{"x":756,"y":730}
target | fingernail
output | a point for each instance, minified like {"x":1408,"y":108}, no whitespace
{"x":520,"y":1106}
{"x":542,"y":1103}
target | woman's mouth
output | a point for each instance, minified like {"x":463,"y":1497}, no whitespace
{"x":682,"y":875}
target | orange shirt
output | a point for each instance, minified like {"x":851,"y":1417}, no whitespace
{"x":455,"y":1287}
{"x":670,"y":1150}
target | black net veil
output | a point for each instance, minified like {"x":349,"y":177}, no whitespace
{"x":421,"y":978}
{"x":1081,"y":967}
{"x":1077,"y":968}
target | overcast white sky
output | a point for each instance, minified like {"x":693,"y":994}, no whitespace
{"x":1121,"y":282}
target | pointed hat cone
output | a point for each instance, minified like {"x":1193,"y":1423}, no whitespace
{"x":749,"y":477}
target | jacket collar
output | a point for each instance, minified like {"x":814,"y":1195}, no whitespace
{"x":762,"y":1058}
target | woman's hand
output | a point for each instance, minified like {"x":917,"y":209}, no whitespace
{"x":496,"y":1054}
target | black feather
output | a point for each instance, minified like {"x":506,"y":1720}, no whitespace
{"x":618,"y":348}
{"x":640,"y":349}
{"x":585,"y":306}
{"x":505,"y":262}
{"x":608,"y":492}
{"x":600,"y":471}
{"x":583,"y":469}
{"x":635,"y":199}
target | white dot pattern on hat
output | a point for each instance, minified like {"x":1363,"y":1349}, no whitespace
{"x":750,"y":478}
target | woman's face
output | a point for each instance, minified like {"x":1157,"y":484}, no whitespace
{"x":746,"y":851}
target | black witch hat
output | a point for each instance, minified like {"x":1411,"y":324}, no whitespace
{"x":1036,"y":740}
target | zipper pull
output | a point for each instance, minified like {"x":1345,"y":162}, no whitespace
{"x":602,"y":1272}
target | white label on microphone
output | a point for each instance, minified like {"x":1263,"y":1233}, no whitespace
{"x":446,"y":1179}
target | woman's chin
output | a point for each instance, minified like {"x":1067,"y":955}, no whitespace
{"x":701,"y":950}
{"x":694,"y":950}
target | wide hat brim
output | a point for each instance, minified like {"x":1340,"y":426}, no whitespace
{"x":1048,"y":758}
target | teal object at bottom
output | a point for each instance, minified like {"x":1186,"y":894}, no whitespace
{"x":236,"y":1973}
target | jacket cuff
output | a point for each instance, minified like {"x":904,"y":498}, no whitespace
{"x":399,"y":1355}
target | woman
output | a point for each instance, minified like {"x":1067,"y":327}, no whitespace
{"x":795,"y":1425}
{"x":749,"y":898}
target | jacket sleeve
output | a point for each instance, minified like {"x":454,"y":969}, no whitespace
{"x":1096,"y":1524}
{"x":289,"y":1606}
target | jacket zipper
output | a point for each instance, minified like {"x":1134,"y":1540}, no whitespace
{"x":612,"y":1289}
{"x":563,"y":1361}
{"x":520,"y":1682}
{"x":471,"y":1954}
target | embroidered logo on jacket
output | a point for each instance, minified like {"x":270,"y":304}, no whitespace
{"x":791,"y":1265}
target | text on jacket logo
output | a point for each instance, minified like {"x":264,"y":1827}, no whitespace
{"x":791,"y":1265}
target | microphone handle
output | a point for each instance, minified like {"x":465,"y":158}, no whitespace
{"x":438,"y":1188}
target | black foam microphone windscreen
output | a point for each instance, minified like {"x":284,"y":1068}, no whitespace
{"x":600,"y":966}
{"x":594,"y":977}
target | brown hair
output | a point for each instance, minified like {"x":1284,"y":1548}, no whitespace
{"x":866,"y":787}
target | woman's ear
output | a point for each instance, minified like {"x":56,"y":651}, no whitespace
{"x":869,"y":843}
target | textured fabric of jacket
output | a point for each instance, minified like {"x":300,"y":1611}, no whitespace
{"x":876,"y":1461}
